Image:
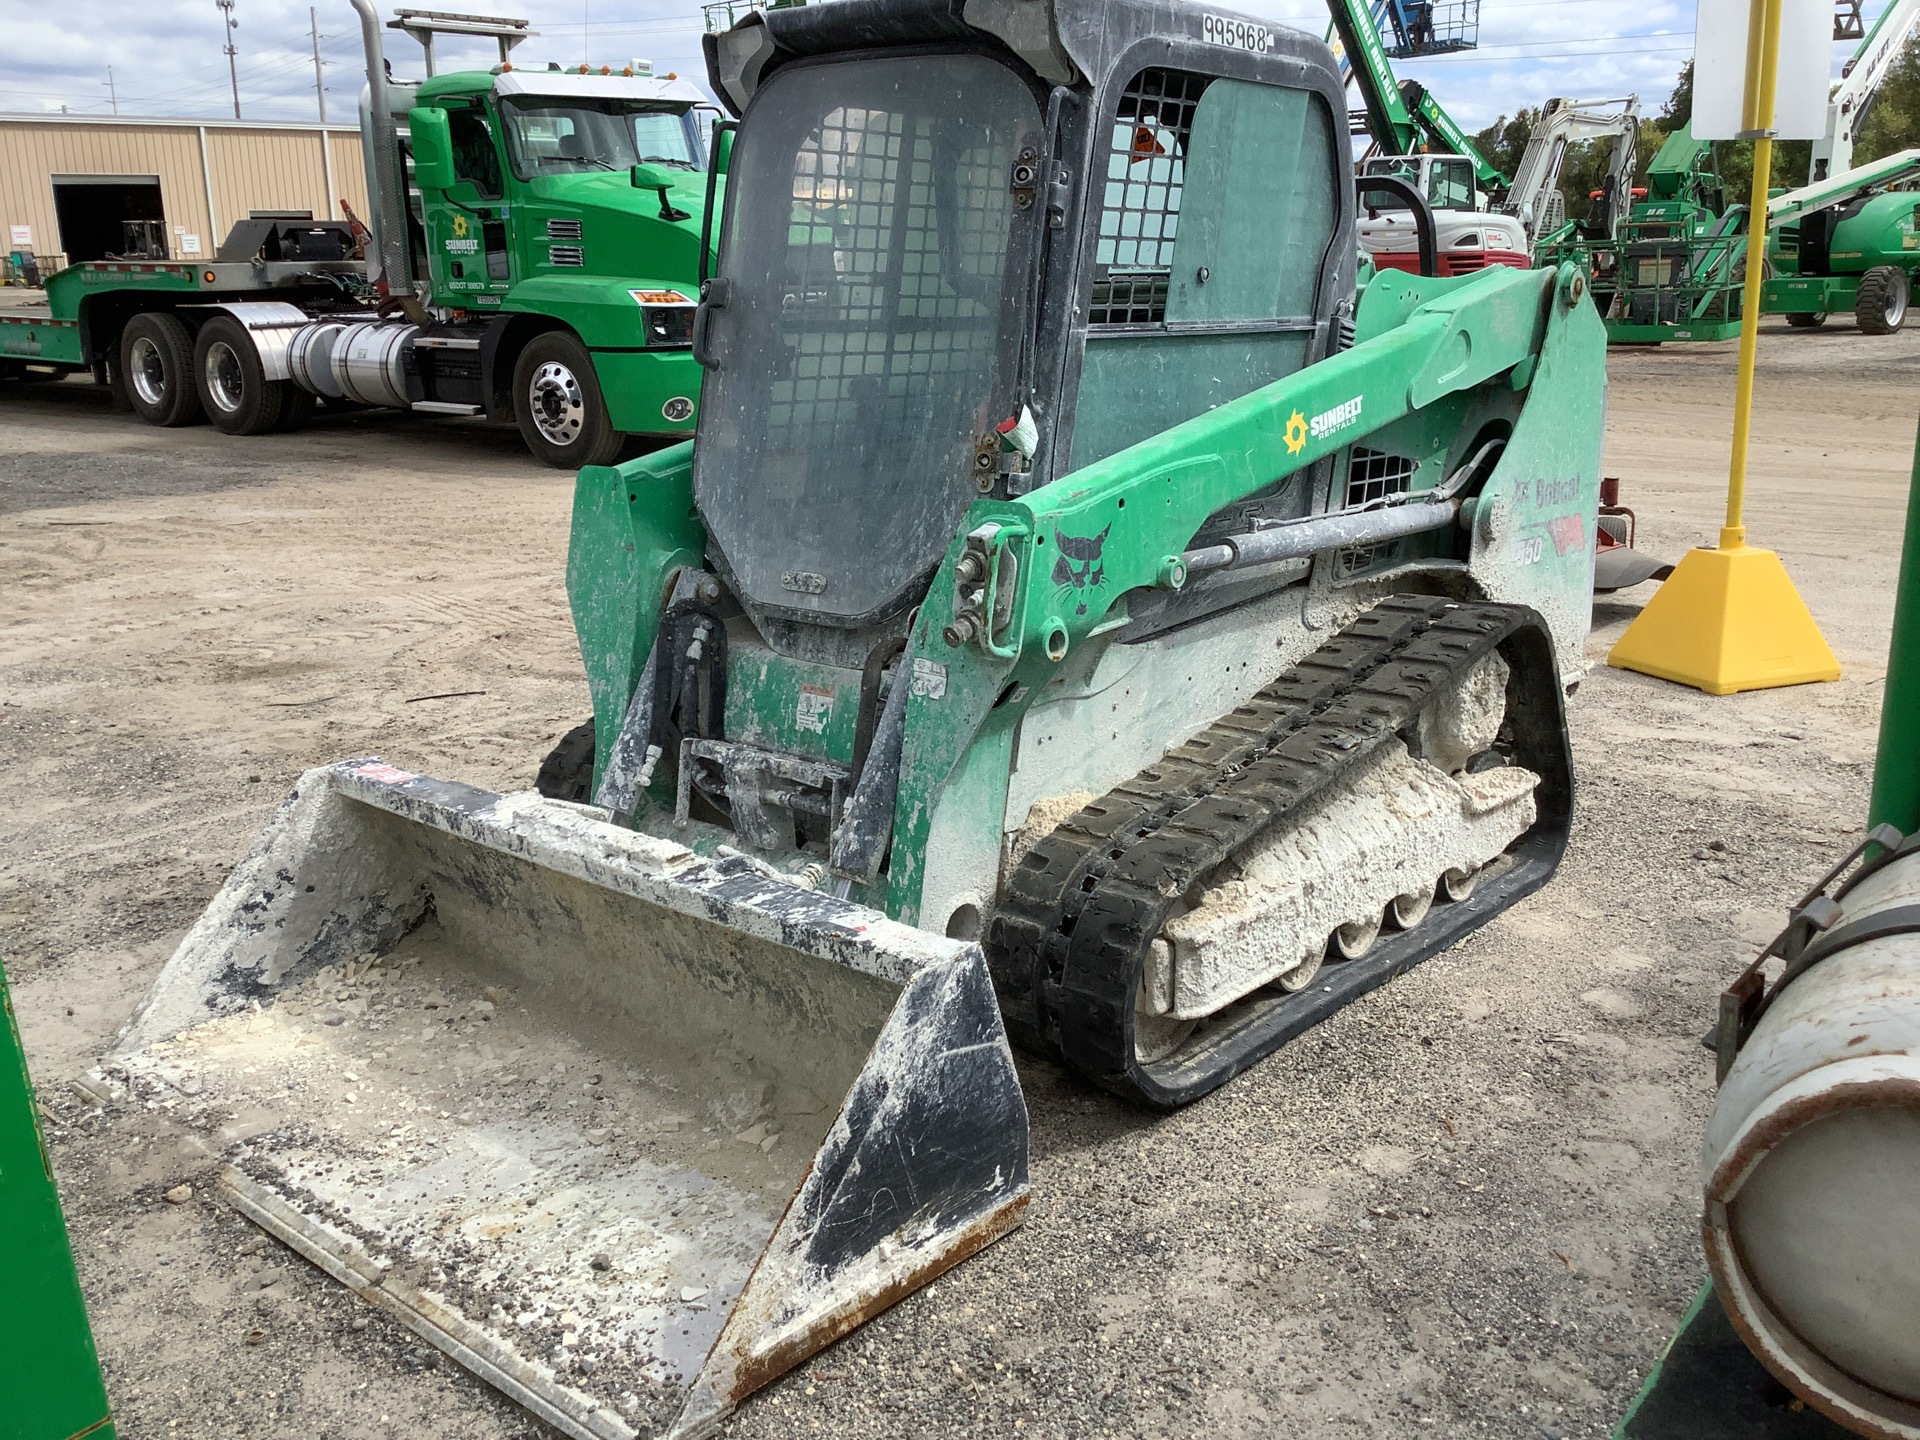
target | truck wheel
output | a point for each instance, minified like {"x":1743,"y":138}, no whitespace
{"x":556,"y":399}
{"x":1880,"y":304}
{"x":298,"y":409}
{"x":567,"y":772}
{"x":234,"y":389}
{"x":1806,"y":319}
{"x":156,"y":357}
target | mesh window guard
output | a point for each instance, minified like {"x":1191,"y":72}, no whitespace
{"x":893,"y":270}
{"x":1146,"y":175}
{"x":875,"y":196}
{"x":1373,"y":475}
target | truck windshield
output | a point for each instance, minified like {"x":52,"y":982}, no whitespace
{"x":877,"y":254}
{"x":549,"y":136}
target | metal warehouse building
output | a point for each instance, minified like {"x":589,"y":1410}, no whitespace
{"x":82,"y":187}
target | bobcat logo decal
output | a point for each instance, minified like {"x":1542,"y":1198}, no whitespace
{"x":1079,"y":566}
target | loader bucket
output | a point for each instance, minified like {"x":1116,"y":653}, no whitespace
{"x":626,"y":1131}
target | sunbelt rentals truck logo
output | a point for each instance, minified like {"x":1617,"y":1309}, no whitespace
{"x":1327,"y":422}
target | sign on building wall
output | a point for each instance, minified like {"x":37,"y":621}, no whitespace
{"x":189,"y":244}
{"x":20,"y":236}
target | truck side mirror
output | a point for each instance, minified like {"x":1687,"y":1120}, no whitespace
{"x":432,"y":144}
{"x":652,"y":177}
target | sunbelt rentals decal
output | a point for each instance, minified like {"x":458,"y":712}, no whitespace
{"x":461,"y":243}
{"x":1328,"y":422}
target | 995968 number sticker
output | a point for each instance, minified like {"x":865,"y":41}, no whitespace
{"x":1237,"y":34}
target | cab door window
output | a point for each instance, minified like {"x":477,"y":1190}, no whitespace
{"x":475,"y":159}
{"x":1216,"y":215}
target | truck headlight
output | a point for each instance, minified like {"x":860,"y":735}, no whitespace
{"x":666,"y":318}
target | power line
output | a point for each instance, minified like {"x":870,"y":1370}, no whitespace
{"x":256,"y":74}
{"x":1560,"y":55}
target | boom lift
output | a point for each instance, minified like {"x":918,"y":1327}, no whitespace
{"x":1085,"y":613}
{"x":1417,"y":142}
{"x":1848,"y":244}
{"x":1681,"y":254}
{"x":1847,"y":109}
{"x":1683,"y":258}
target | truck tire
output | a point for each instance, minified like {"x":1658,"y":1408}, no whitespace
{"x":1880,"y":304}
{"x":298,"y":409}
{"x":234,"y":389}
{"x":557,"y":402}
{"x":567,"y":772}
{"x":156,"y":357}
{"x":1806,"y":319}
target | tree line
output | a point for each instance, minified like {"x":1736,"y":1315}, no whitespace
{"x":1892,"y":123}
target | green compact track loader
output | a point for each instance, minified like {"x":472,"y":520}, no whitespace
{"x":1084,"y":615}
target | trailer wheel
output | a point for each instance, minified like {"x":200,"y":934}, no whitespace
{"x":1806,"y":319}
{"x":156,"y":357}
{"x":557,"y":402}
{"x":567,"y":772}
{"x":1880,"y":304}
{"x":234,"y":388}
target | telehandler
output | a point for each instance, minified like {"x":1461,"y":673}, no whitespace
{"x":1081,"y":614}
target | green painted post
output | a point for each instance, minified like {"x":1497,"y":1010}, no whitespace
{"x":1896,"y":772}
{"x":50,"y":1385}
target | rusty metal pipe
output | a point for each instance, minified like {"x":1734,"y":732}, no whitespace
{"x":1812,"y":1165}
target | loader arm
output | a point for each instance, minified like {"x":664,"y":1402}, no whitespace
{"x":1451,"y":342}
{"x":1420,"y":343}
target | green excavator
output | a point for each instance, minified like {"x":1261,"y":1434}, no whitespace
{"x":1084,"y":615}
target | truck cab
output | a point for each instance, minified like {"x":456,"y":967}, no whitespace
{"x":561,"y":210}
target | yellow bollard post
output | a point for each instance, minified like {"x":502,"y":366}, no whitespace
{"x":1729,"y":619}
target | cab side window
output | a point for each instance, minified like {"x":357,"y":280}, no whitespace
{"x":474,"y":157}
{"x":1216,"y":217}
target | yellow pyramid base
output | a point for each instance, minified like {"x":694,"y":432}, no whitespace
{"x":1727,"y":620}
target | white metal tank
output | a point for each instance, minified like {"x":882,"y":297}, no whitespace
{"x":1812,"y":1168}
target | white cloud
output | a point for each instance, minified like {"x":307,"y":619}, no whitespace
{"x":167,"y":59}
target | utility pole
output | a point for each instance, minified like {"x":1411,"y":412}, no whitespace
{"x":112,"y":94}
{"x":233,"y":51}
{"x":319,"y":84}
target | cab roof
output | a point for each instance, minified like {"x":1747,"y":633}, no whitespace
{"x":1063,"y":42}
{"x":562,"y":84}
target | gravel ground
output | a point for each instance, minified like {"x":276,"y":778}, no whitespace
{"x":1464,"y":1206}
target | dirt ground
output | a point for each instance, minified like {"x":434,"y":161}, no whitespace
{"x":1464,"y":1207}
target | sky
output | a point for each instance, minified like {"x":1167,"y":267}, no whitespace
{"x":166,"y":56}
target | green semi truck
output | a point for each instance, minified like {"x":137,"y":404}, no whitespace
{"x":531,"y":255}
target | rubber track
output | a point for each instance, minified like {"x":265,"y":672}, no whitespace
{"x":1069,"y":940}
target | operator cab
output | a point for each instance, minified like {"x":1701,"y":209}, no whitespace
{"x":1467,"y":235}
{"x":1446,"y":180}
{"x":1004,"y":247}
